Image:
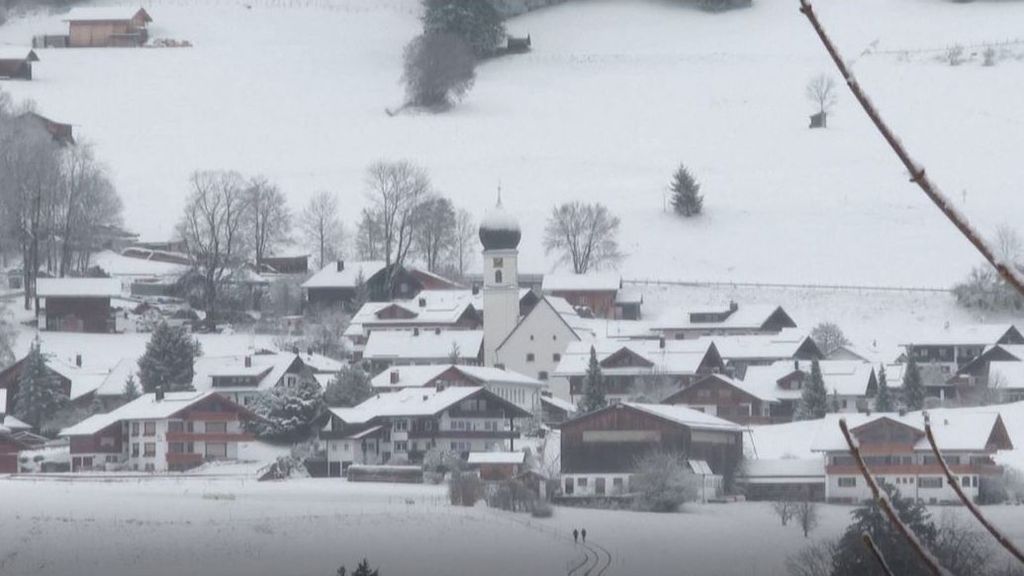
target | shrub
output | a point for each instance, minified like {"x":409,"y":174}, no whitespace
{"x":989,"y":57}
{"x":541,"y":509}
{"x":464,"y":489}
{"x":955,"y":55}
{"x":663,"y":482}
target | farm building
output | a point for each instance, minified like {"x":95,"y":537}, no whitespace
{"x":600,"y":449}
{"x":732,"y":400}
{"x":725,"y":320}
{"x":596,"y":293}
{"x":497,"y":466}
{"x":62,"y":134}
{"x":108,"y":26}
{"x":17,"y":62}
{"x":76,"y":304}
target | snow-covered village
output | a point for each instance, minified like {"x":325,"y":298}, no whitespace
{"x":511,"y":287}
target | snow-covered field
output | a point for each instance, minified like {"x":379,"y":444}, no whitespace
{"x":224,"y":527}
{"x":613,"y":96}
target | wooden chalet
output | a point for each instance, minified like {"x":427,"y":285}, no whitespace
{"x":594,"y":293}
{"x":16,"y":63}
{"x":729,"y":399}
{"x":600,"y":449}
{"x":107,"y":26}
{"x":77,"y":304}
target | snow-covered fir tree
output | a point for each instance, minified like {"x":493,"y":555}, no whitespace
{"x":884,"y":402}
{"x":288,"y":412}
{"x":169,"y":360}
{"x":39,"y":395}
{"x":814,"y":400}
{"x":913,"y":387}
{"x":686,"y":197}
{"x":476,"y":22}
{"x":593,"y":392}
{"x":349,"y":387}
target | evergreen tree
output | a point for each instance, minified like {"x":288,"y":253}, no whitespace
{"x":169,"y":361}
{"x":475,"y":21}
{"x":131,"y":389}
{"x":686,"y":197}
{"x":593,"y":393}
{"x":39,"y":394}
{"x":884,"y":401}
{"x":913,"y":387}
{"x":853,"y":558}
{"x":350,"y":387}
{"x":814,"y":400}
{"x":288,"y":412}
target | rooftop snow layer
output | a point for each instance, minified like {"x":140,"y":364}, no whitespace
{"x":677,"y":356}
{"x":330,"y":277}
{"x":102,"y":13}
{"x":423,"y":345}
{"x":496,"y":458}
{"x":145,"y":407}
{"x":685,"y":416}
{"x":597,"y":282}
{"x":78,"y":287}
{"x":418,"y":376}
{"x":970,"y":335}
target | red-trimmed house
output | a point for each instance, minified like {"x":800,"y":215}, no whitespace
{"x":729,"y":399}
{"x":160,"y":432}
{"x":600,"y":449}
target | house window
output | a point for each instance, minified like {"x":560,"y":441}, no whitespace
{"x":176,"y":448}
{"x":848,"y":482}
{"x":497,"y":277}
{"x":216,"y":427}
{"x":135,"y":450}
{"x":401,"y":425}
{"x":965,"y":481}
{"x":556,"y":357}
{"x":401,"y":446}
{"x":929,"y":482}
{"x":107,"y":442}
{"x":149,"y":449}
{"x":216,"y":450}
{"x":542,"y":376}
{"x":617,"y":483}
{"x":529,"y":357}
{"x":150,"y":429}
{"x":135,"y":428}
{"x":150,"y":467}
{"x":291,"y":380}
{"x":581,"y":482}
{"x":112,"y":459}
{"x":175,"y":426}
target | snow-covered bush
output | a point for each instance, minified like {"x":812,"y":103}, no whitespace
{"x":989,"y":57}
{"x":511,"y":495}
{"x":663,"y":482}
{"x":476,"y":22}
{"x":985,"y":290}
{"x":955,"y":55}
{"x":350,"y":387}
{"x":287,"y":413}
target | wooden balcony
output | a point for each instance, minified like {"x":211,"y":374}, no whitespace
{"x":212,"y":416}
{"x":913,"y":469}
{"x":209,"y":437}
{"x":467,"y":434}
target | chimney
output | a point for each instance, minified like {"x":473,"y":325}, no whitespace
{"x":394,"y":376}
{"x":425,"y":397}
{"x":476,"y":289}
{"x":78,"y":360}
{"x":903,"y":411}
{"x":341,"y":265}
{"x":661,"y":342}
{"x":248,"y":361}
{"x":423,"y":302}
{"x":415,"y":331}
{"x":159,"y":393}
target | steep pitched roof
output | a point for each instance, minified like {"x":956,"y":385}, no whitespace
{"x":970,"y":335}
{"x":18,"y":53}
{"x":423,"y":344}
{"x":268,"y":368}
{"x":409,"y":402}
{"x":842,"y":377}
{"x":105,"y":14}
{"x":750,"y":317}
{"x":954,"y":430}
{"x":145,"y":407}
{"x":686,"y":416}
{"x":330,"y":277}
{"x":677,"y":357}
{"x":561,"y":309}
{"x":419,"y":376}
{"x":756,"y":391}
{"x":786,"y":344}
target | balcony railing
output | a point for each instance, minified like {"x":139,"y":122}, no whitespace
{"x":503,"y":434}
{"x":914,"y":469}
{"x":209,"y":437}
{"x":212,"y":416}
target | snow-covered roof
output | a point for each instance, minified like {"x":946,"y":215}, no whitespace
{"x":17,"y":53}
{"x":954,"y":430}
{"x":419,"y":376}
{"x":1006,"y":375}
{"x":969,"y":335}
{"x":84,"y":380}
{"x":750,"y":317}
{"x":145,"y":407}
{"x":597,"y":282}
{"x":103,"y":13}
{"x":348,"y":277}
{"x":321,"y":364}
{"x":760,"y":392}
{"x":785,"y":344}
{"x":558,"y":403}
{"x":496,"y":458}
{"x":15,"y":425}
{"x":407,"y":402}
{"x":677,"y":357}
{"x":113,"y":383}
{"x":841,"y":377}
{"x":685,"y":416}
{"x":78,"y":287}
{"x":115,"y":264}
{"x":423,"y":344}
{"x":269,"y":368}
{"x":781,"y":470}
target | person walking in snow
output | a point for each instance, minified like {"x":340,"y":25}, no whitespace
{"x":576,"y":536}
{"x":584,"y":534}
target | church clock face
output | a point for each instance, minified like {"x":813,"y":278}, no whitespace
{"x":499,"y":262}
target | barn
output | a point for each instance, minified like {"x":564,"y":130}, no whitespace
{"x":112,"y":26}
{"x":600,"y":449}
{"x":76,"y":304}
{"x":16,"y":62}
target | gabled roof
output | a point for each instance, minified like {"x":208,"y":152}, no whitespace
{"x":955,"y":430}
{"x":756,"y":391}
{"x":78,"y":287}
{"x":970,"y":335}
{"x":145,"y":407}
{"x":686,"y":416}
{"x":559,"y":404}
{"x":409,"y":402}
{"x":84,"y":380}
{"x":267,"y":368}
{"x":561,"y":309}
{"x":786,"y":344}
{"x":597,"y":282}
{"x":841,"y":377}
{"x":419,"y":376}
{"x":18,"y":53}
{"x":423,"y":344}
{"x":105,"y":14}
{"x":330,"y":277}
{"x":678,"y":357}
{"x":749,"y":317}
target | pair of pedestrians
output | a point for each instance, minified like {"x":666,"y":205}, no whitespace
{"x":577,"y":533}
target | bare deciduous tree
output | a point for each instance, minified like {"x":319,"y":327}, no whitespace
{"x":806,"y":514}
{"x":322,"y":227}
{"x":435,"y":235}
{"x":269,"y":217}
{"x":439,"y":70}
{"x":784,"y":509}
{"x":464,"y":243}
{"x":213,"y":229}
{"x":821,"y":90}
{"x":829,"y":337}
{"x":584,"y":235}
{"x":369,"y":242}
{"x":395,"y":192}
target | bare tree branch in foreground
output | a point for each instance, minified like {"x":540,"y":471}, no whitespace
{"x":999,"y":536}
{"x":882,"y":564}
{"x":917,"y":173}
{"x":883,"y":502}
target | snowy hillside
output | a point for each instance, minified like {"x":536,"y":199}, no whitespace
{"x":613,"y":96}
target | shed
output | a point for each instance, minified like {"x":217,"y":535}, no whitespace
{"x":76,"y":304}
{"x":16,"y":62}
{"x":107,"y":26}
{"x":497,"y":466}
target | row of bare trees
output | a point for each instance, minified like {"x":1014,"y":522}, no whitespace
{"x":57,"y":203}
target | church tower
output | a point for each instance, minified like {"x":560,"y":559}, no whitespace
{"x":499,"y":234}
